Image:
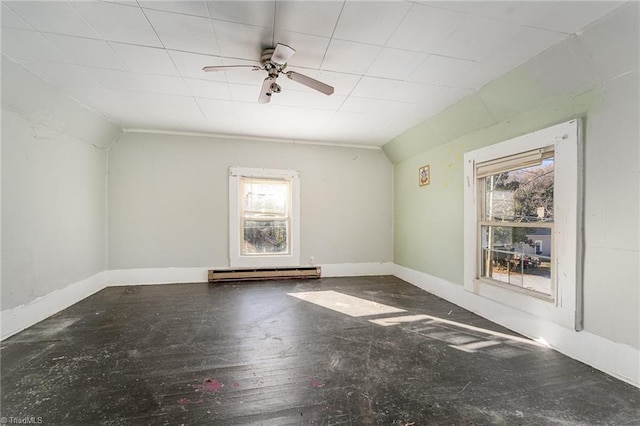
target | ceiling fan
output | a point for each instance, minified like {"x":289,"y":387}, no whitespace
{"x":274,"y":61}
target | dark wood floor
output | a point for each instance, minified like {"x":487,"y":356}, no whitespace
{"x":230,"y":354}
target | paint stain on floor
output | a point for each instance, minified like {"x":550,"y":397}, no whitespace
{"x":315,"y":383}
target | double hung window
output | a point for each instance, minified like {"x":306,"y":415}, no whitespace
{"x":265,"y":222}
{"x":523,"y":223}
{"x":264,"y":218}
{"x":516,"y":208}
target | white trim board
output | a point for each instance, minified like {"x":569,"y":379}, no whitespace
{"x":616,"y":359}
{"x":151,"y":276}
{"x":251,"y":138}
{"x":16,"y":319}
{"x":357,"y":269}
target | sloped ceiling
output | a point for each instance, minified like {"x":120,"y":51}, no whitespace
{"x":393,"y":64}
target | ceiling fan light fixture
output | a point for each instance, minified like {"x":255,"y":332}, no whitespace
{"x":282,"y":53}
{"x":267,"y":91}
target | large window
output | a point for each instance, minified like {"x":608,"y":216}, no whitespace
{"x":516,"y":211}
{"x":523,"y":223}
{"x":264,"y":217}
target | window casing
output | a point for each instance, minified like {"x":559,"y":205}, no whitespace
{"x":263,"y":217}
{"x":503,"y":235}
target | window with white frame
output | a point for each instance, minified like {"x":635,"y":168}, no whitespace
{"x":264,"y":217}
{"x":522,"y":223}
{"x":516,"y":205}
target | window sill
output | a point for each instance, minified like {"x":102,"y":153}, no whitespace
{"x":489,"y":282}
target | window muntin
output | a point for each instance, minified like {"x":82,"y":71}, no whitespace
{"x":265,"y":225}
{"x":516,"y":206}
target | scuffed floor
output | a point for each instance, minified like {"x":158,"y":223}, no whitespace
{"x":262,"y":354}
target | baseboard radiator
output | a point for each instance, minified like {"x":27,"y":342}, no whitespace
{"x":262,"y":274}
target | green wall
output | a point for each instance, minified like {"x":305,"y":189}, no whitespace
{"x":429,"y":220}
{"x":592,"y":75}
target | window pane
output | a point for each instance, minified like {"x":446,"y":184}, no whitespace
{"x":517,"y":256}
{"x":265,"y":198}
{"x":265,"y":237}
{"x":522,"y":195}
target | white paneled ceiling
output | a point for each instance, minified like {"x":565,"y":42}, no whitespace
{"x":392,"y":63}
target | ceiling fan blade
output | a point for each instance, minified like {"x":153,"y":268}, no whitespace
{"x":265,"y":91}
{"x":282,"y":53}
{"x":310,"y":82}
{"x":229,"y":67}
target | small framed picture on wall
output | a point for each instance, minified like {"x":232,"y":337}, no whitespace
{"x":424,"y":175}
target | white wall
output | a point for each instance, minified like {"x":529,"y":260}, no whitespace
{"x":53,"y":188}
{"x":593,"y":75}
{"x":168,"y":200}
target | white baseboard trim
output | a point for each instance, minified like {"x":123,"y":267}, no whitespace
{"x":144,"y":276}
{"x":16,"y":319}
{"x":617,"y":359}
{"x":149,"y":276}
{"x":356,"y":269}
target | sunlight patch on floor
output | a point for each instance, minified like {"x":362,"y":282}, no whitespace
{"x":345,"y":304}
{"x":357,"y":307}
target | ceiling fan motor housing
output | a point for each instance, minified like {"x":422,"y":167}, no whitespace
{"x":266,"y":55}
{"x":274,"y":69}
